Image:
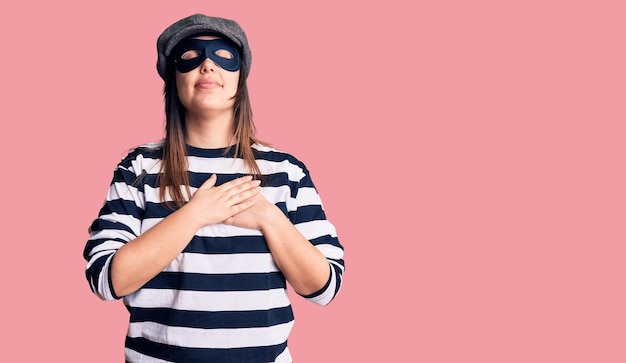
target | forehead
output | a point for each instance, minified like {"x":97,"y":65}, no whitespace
{"x":206,"y":37}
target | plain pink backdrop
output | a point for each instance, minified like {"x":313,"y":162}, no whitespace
{"x":470,"y":154}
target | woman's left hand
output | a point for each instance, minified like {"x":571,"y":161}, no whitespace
{"x":303,"y":265}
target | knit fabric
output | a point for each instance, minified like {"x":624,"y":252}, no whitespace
{"x":223,"y":299}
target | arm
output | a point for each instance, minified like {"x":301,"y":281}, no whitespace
{"x":304,"y":246}
{"x":141,"y":259}
{"x":303,"y":265}
{"x":121,"y":260}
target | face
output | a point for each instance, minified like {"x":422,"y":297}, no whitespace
{"x":207,"y":74}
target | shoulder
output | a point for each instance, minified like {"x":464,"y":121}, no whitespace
{"x":273,"y":161}
{"x":143,"y":157}
{"x":272,"y":154}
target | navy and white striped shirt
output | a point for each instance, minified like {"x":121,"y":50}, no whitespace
{"x":223,"y":299}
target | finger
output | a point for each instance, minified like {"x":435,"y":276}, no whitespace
{"x":245,"y":194}
{"x":240,"y":207}
{"x":209,"y":183}
{"x":236,"y":182}
{"x":240,"y":192}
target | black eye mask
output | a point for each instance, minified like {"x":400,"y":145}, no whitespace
{"x":190,"y":53}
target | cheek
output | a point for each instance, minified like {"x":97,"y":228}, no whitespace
{"x":182,"y":88}
{"x":233,"y":81}
{"x":180,"y":82}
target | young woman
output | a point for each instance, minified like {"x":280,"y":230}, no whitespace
{"x":201,"y":232}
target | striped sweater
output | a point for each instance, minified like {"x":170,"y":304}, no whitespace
{"x":223,"y":299}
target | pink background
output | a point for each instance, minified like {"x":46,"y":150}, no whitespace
{"x":470,"y":153}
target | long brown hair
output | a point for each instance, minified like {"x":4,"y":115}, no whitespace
{"x":173,"y":173}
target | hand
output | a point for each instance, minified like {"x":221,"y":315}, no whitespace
{"x":254,"y":217}
{"x":213,"y":204}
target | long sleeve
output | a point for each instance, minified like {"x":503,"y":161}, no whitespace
{"x":224,"y":292}
{"x":308,"y":216}
{"x":118,"y":222}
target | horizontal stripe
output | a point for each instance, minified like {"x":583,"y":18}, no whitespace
{"x":293,"y":171}
{"x":166,"y":353}
{"x":228,"y":244}
{"x":330,"y":251}
{"x":120,"y":207}
{"x":134,"y":356}
{"x":214,"y":230}
{"x":102,"y":227}
{"x":217,"y":282}
{"x":209,"y":300}
{"x":218,"y":165}
{"x":210,"y":338}
{"x":154,"y":208}
{"x":315,"y":229}
{"x":121,"y":190}
{"x":213,"y":320}
{"x":228,"y":165}
{"x":307,"y":196}
{"x":307,"y":213}
{"x":122,"y":221}
{"x":223,"y":263}
{"x":276,"y":194}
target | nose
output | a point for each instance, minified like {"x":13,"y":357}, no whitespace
{"x":207,"y":66}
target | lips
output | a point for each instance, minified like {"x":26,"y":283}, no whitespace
{"x":207,"y":83}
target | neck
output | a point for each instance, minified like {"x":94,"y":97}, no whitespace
{"x":210,"y":131}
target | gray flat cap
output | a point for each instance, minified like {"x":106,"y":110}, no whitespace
{"x":196,"y":24}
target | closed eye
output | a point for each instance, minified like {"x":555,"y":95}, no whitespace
{"x":224,"y":54}
{"x":190,"y":54}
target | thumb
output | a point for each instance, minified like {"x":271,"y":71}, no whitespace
{"x":209,"y":183}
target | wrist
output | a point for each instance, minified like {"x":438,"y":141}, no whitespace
{"x":273,"y":219}
{"x":190,"y":215}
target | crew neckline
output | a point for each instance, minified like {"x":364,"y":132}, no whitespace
{"x":222,"y":151}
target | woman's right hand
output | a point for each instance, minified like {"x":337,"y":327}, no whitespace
{"x":213,"y":204}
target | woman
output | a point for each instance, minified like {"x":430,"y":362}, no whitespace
{"x":201,"y":232}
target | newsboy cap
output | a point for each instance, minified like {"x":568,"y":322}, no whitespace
{"x":199,"y":24}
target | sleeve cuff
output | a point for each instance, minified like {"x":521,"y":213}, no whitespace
{"x":324,"y":288}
